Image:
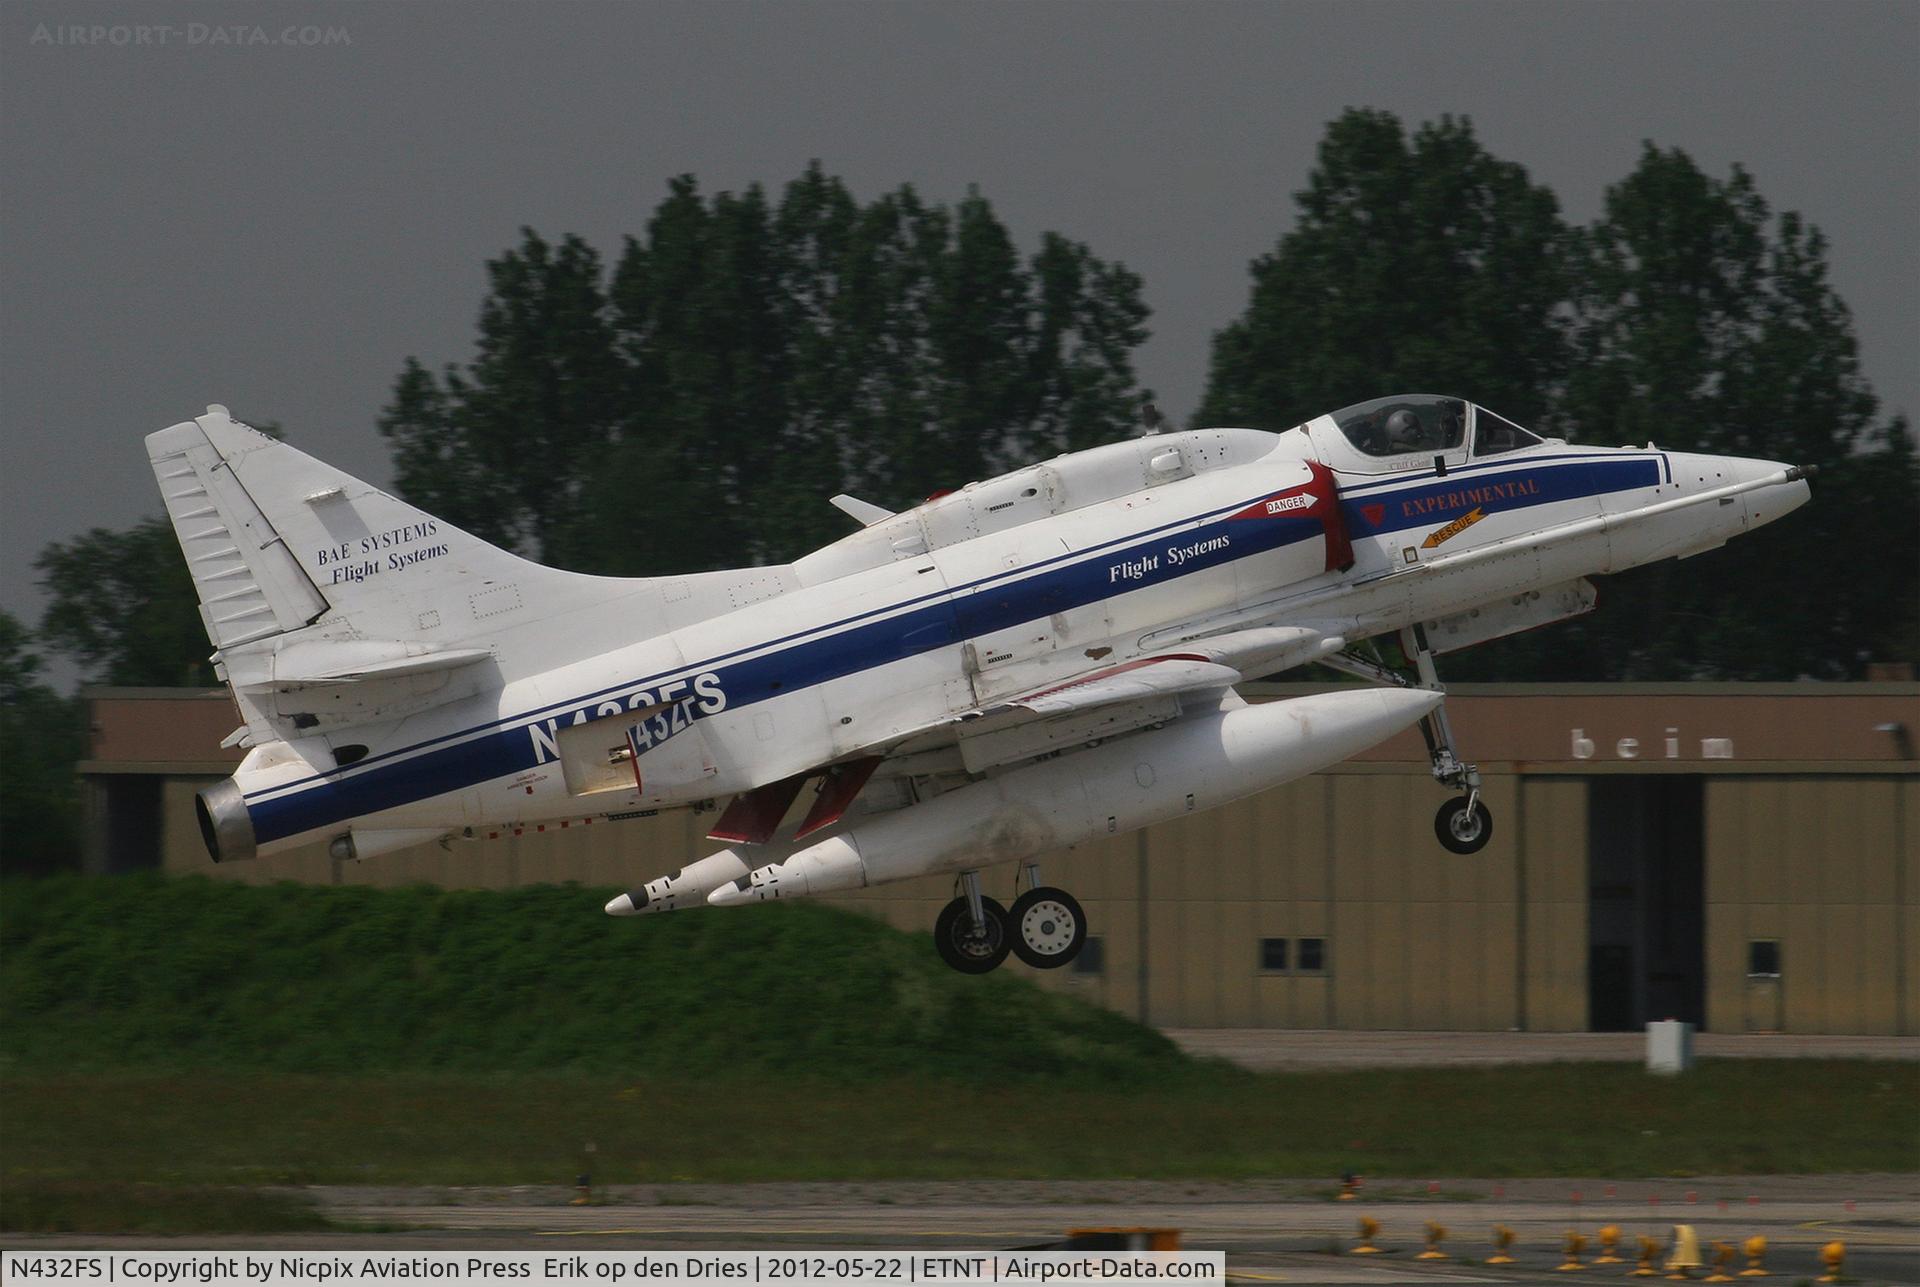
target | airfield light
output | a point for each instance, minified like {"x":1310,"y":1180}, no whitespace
{"x":1834,"y":1257}
{"x":1756,"y":1249}
{"x":1609,"y":1235}
{"x":1369,"y":1229}
{"x":1436,"y":1233}
{"x":1502,"y":1241}
{"x":1576,"y":1243}
{"x":1650,"y":1249}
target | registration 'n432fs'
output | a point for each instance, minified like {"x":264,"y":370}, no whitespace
{"x":1026,"y":663}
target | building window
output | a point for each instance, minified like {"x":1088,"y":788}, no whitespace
{"x":1273,"y":954}
{"x":1763,"y":958}
{"x":1093,"y":956}
{"x":1313,"y":955}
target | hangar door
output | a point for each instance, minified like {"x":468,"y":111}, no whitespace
{"x":1646,"y":901}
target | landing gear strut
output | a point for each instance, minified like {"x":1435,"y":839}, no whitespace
{"x":971,"y":931}
{"x":1463,"y":825}
{"x":1046,"y":928}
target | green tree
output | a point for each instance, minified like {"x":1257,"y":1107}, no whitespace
{"x":706,"y":360}
{"x":1091,"y":319}
{"x":122,"y":605}
{"x":506,"y":448}
{"x":1686,"y":315}
{"x":1417,"y":263}
{"x":747,"y":359}
{"x":1703,"y":323}
{"x":42,"y":735}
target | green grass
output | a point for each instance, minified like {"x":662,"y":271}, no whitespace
{"x":80,"y":1206}
{"x":200,"y":1033}
{"x":144,"y":972}
{"x":1760,"y":1116}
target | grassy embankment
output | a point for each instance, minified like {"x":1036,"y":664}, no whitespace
{"x":192,"y":1033}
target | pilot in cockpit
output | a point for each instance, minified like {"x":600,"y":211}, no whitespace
{"x":1402,"y":426}
{"x":1405,"y":432}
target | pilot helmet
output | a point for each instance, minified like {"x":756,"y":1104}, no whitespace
{"x":1403,"y":429}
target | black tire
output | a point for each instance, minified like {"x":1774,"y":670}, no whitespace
{"x":965,"y":948}
{"x":1047,"y":927}
{"x":1460,"y":833}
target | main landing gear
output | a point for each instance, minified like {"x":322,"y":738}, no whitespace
{"x":1462,"y":825}
{"x":1046,"y":928}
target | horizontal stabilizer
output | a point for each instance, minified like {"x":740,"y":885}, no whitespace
{"x":866,"y":513}
{"x":308,"y":686}
{"x":359,"y":661}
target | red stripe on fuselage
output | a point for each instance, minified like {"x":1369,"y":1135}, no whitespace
{"x":1318,"y":499}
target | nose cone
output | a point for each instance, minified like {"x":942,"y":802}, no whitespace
{"x":1766,"y":503}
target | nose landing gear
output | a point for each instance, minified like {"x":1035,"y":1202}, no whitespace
{"x":1046,"y":928}
{"x":1463,"y":825}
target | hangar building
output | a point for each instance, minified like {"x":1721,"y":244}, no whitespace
{"x":1743,"y":856}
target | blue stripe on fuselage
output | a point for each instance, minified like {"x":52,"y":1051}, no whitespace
{"x":969,"y":613}
{"x":1438,"y":500}
{"x":617,"y":692}
{"x":937,"y":621}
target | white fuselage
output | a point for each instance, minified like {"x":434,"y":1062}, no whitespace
{"x":998,"y":589}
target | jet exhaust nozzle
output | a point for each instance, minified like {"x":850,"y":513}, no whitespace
{"x":225,"y":824}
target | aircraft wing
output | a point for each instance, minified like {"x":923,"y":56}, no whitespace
{"x":1064,"y":714}
{"x":1129,"y":681}
{"x":1102,"y":701}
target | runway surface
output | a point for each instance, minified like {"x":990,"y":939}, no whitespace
{"x":1272,"y":1231}
{"x":1288,"y":1048}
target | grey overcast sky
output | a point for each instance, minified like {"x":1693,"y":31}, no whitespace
{"x":276,"y":226}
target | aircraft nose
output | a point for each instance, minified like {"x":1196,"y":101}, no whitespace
{"x":1764,"y":504}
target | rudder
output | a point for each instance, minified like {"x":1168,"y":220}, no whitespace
{"x":277,"y":540}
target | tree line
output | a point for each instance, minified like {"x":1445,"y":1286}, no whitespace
{"x":747,"y":357}
{"x":690,"y":402}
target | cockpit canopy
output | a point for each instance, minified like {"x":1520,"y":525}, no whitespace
{"x":1394,"y":426}
{"x":1426,"y":425}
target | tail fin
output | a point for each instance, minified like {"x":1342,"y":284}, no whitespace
{"x":331,"y":603}
{"x":278,"y":541}
{"x":250,"y":584}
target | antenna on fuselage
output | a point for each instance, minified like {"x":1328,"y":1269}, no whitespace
{"x":1151,"y":418}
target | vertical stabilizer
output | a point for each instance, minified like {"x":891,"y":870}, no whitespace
{"x":278,"y":540}
{"x":250,"y":584}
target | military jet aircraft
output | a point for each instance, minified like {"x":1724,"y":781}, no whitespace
{"x":1020,"y":665}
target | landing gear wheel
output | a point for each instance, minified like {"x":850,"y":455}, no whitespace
{"x":1461,"y":831}
{"x":969,"y":948}
{"x":1049,"y":928}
